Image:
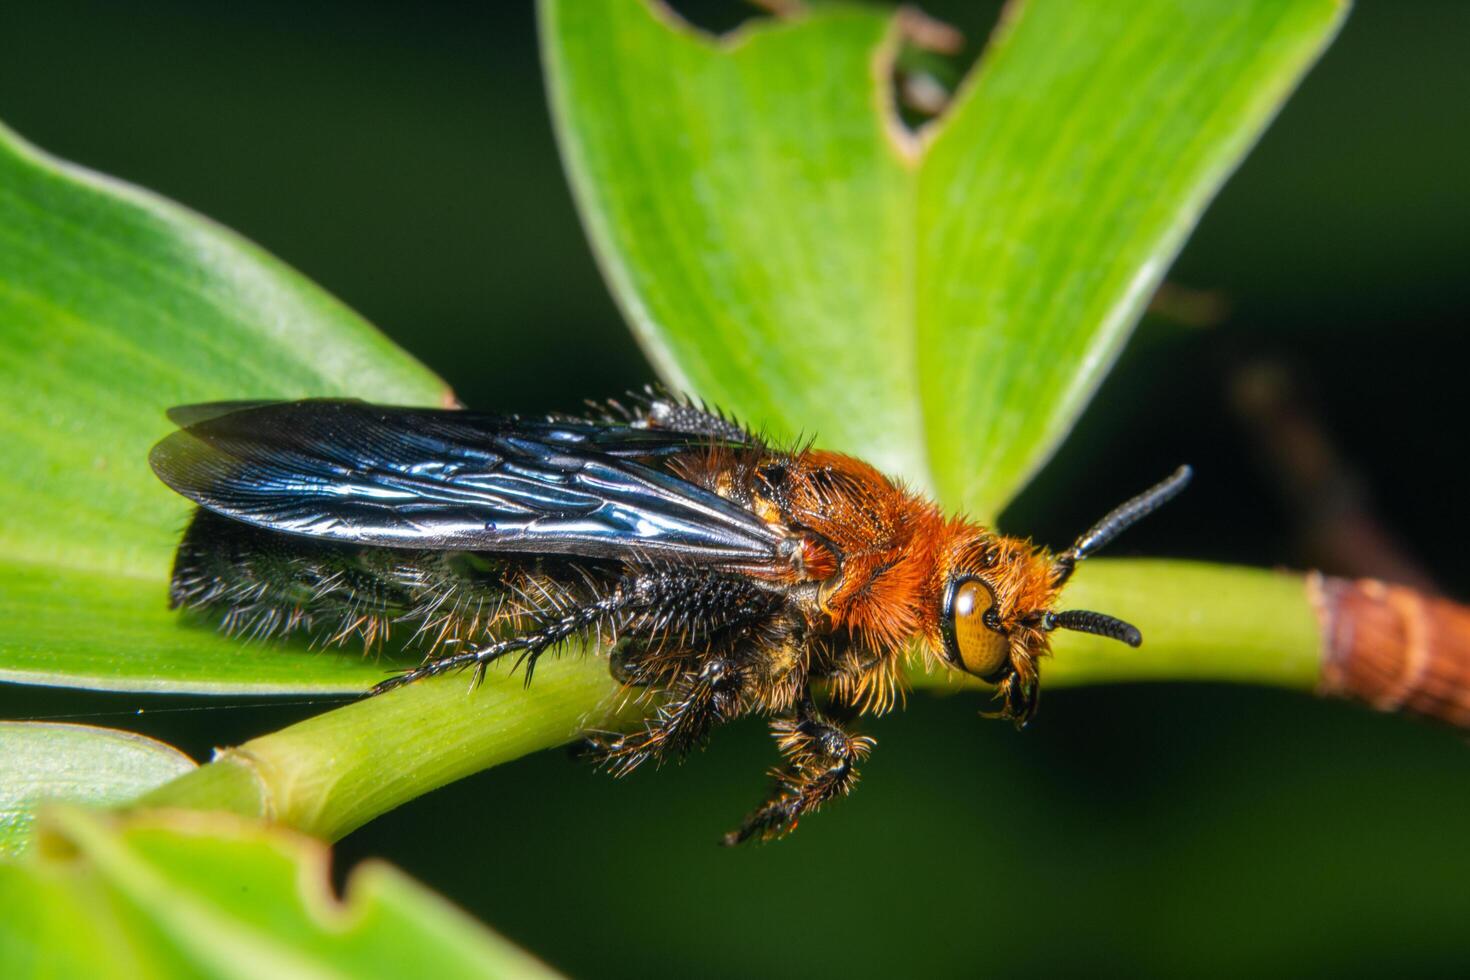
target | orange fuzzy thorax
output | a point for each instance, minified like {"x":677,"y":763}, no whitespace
{"x":882,"y":555}
{"x":898,"y":551}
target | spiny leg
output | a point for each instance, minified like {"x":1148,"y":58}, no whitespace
{"x":654,"y":605}
{"x":734,"y":653}
{"x":821,"y":764}
{"x":709,"y":695}
{"x":530,"y":645}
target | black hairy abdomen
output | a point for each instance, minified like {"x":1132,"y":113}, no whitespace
{"x":263,"y":583}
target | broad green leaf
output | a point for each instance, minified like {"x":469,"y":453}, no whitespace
{"x":1057,"y":192}
{"x":76,"y":629}
{"x":195,"y":894}
{"x":44,"y":762}
{"x":114,"y":306}
{"x":941,"y":305}
{"x":751,"y":213}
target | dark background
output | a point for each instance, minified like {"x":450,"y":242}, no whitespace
{"x":402,"y":157}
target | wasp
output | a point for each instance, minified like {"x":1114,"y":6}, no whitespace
{"x":727,"y":576}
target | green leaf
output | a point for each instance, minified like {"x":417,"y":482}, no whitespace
{"x":189,"y":894}
{"x":114,"y":306}
{"x":42,"y":762}
{"x":944,"y":305}
{"x":750,"y":213}
{"x":77,"y":629}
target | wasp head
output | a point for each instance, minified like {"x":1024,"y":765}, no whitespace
{"x":998,"y":601}
{"x":993,"y":604}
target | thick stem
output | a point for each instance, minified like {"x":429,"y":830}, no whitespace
{"x":1394,"y":648}
{"x":1199,"y":622}
{"x":335,"y":772}
{"x":332,"y":773}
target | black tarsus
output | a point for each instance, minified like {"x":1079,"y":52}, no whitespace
{"x":697,"y":701}
{"x":821,"y":764}
{"x":1119,"y":519}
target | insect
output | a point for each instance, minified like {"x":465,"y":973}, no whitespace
{"x":731,"y":576}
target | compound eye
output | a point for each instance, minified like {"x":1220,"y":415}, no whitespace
{"x":982,"y":650}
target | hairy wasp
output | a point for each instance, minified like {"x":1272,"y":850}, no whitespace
{"x":731,"y":575}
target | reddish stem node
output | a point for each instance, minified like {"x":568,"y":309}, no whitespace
{"x":1394,"y":648}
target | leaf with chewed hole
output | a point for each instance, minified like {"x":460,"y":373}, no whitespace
{"x":942,"y":305}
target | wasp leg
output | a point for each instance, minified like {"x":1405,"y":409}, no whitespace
{"x":698,"y":701}
{"x":625,"y":666}
{"x":530,"y":645}
{"x":821,"y":764}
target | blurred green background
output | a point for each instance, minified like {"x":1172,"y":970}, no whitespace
{"x":401,"y":155}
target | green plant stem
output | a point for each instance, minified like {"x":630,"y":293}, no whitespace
{"x":333,"y":773}
{"x":1200,"y":623}
{"x":330,"y":774}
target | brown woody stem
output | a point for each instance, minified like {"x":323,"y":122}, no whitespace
{"x":1394,"y":648}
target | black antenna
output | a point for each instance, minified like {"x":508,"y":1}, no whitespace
{"x":1120,"y":519}
{"x":1096,"y":623}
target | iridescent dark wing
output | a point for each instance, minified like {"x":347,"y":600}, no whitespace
{"x":427,"y":478}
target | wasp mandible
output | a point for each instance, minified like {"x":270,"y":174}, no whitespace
{"x":729,"y":575}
